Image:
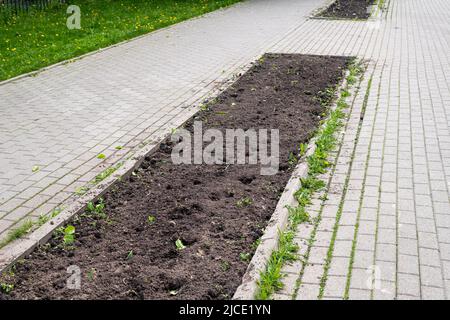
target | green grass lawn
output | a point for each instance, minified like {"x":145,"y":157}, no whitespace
{"x":38,"y":38}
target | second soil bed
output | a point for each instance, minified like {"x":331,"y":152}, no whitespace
{"x":348,"y":9}
{"x":126,"y":257}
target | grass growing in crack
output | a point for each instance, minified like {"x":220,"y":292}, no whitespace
{"x":17,"y":233}
{"x":28,"y":226}
{"x":354,"y":74}
{"x":354,"y":242}
{"x":270,"y":278}
{"x":45,"y":218}
{"x":104,"y":174}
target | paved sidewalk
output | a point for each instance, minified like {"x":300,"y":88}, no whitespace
{"x":63,"y":118}
{"x":384,"y":230}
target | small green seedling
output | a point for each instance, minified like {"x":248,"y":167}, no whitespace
{"x":118,"y":147}
{"x":244,"y":256}
{"x":91,"y":274}
{"x":225,"y":266}
{"x":130,"y":255}
{"x":292,"y":160}
{"x":35,"y":169}
{"x":6,"y":288}
{"x":97,"y":209}
{"x":151,"y":219}
{"x":69,"y":235}
{"x":101,"y":156}
{"x":244,"y":202}
{"x":179,"y":244}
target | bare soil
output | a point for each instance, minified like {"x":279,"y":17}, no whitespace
{"x":126,"y":257}
{"x":348,"y":9}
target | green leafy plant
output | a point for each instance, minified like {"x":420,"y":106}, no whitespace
{"x":151,"y":219}
{"x":69,"y":235}
{"x":179,"y":244}
{"x":97,"y":209}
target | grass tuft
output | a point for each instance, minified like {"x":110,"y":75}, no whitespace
{"x":17,"y":233}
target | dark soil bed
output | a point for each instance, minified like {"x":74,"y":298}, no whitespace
{"x":348,"y":9}
{"x":126,"y":256}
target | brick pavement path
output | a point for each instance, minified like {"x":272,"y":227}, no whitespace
{"x":384,"y":230}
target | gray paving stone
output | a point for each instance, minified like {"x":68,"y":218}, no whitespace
{"x":432,"y":293}
{"x":335,"y":286}
{"x":408,"y":284}
{"x":312,"y":273}
{"x":308,"y":292}
{"x":358,"y":294}
{"x":342,"y":248}
{"x":431,"y":276}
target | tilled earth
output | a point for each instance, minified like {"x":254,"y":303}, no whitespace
{"x":217,"y":211}
{"x":348,"y":9}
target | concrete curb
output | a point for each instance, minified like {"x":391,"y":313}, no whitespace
{"x":278,"y":222}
